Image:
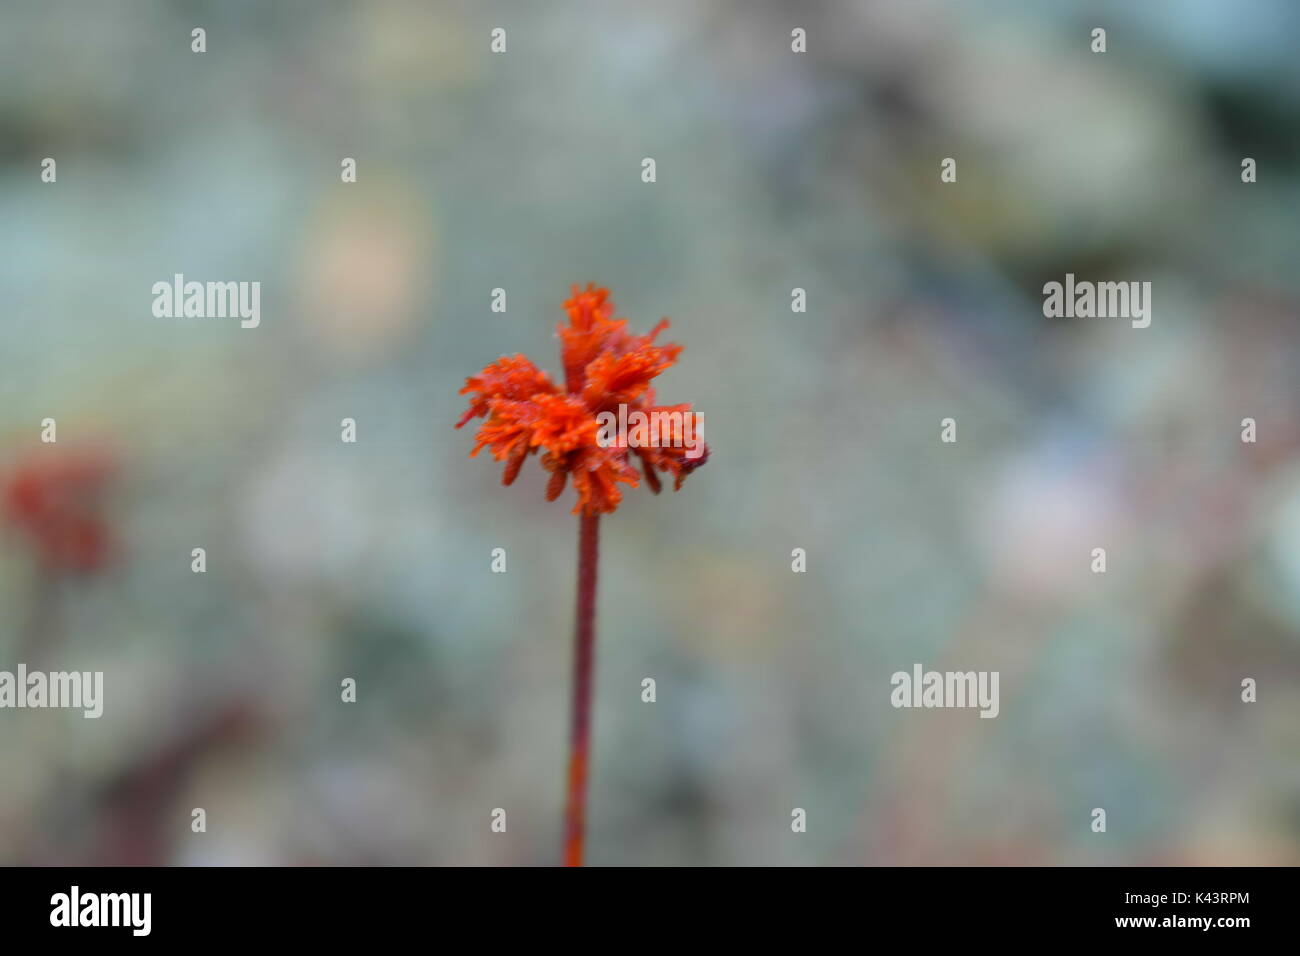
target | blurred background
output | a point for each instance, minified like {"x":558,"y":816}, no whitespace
{"x":775,"y":170}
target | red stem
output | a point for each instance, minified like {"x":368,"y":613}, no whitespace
{"x":584,"y":656}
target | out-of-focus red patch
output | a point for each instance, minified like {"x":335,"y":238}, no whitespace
{"x":53,"y":498}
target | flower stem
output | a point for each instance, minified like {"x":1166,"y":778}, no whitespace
{"x":584,"y":655}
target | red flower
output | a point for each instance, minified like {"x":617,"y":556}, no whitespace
{"x":54,"y":499}
{"x":604,"y":367}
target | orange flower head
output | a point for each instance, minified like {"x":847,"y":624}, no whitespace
{"x":606,"y":370}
